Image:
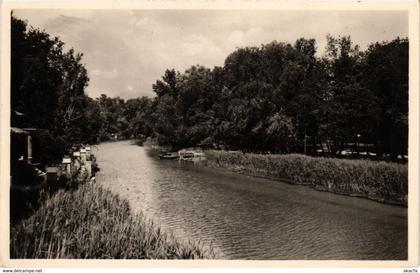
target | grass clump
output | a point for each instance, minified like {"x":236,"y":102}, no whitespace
{"x":381,"y":181}
{"x":93,"y":223}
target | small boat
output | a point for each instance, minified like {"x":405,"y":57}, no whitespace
{"x":169,"y":156}
{"x":191,"y":155}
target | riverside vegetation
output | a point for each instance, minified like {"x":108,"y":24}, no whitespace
{"x":84,"y":221}
{"x":380,"y":181}
{"x":278,"y":97}
{"x":93,"y":223}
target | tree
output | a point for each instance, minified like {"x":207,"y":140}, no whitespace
{"x":166,"y":126}
{"x":137,"y":113}
{"x":280,"y":131}
{"x":386,"y":75}
{"x":47,"y":86}
{"x":350,"y":108}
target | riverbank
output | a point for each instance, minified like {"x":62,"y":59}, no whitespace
{"x":93,"y":223}
{"x":379,"y":181}
{"x":244,"y":217}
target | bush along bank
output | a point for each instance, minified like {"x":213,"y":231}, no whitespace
{"x":379,"y":181}
{"x":92,"y":222}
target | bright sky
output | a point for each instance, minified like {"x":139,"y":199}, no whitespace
{"x":126,"y":51}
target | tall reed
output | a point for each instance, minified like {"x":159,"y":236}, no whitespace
{"x":381,"y":181}
{"x":93,"y":223}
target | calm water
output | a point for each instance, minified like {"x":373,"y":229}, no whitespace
{"x":250,"y":218}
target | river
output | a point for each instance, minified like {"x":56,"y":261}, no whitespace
{"x":251,"y":218}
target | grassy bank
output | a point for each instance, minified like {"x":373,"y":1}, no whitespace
{"x":91,"y":222}
{"x":380,"y":181}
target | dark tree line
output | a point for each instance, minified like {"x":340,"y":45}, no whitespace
{"x":278,"y":97}
{"x":283,"y":98}
{"x":47,"y":87}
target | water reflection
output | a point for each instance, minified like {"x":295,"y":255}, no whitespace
{"x":251,"y":218}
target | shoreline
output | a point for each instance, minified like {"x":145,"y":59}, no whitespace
{"x":109,"y":227}
{"x":355,"y":188}
{"x":289,"y":182}
{"x":210,"y":161}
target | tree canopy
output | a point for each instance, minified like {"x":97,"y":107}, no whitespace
{"x":283,"y":98}
{"x":277,"y":97}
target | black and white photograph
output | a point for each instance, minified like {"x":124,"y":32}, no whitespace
{"x":210,"y":134}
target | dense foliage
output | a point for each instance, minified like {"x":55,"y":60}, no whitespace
{"x":278,"y":97}
{"x":47,"y":86}
{"x":283,"y":98}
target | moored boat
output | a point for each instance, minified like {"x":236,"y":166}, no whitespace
{"x":191,"y":155}
{"x":169,"y":156}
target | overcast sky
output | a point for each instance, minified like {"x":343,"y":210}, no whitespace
{"x":126,"y":51}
